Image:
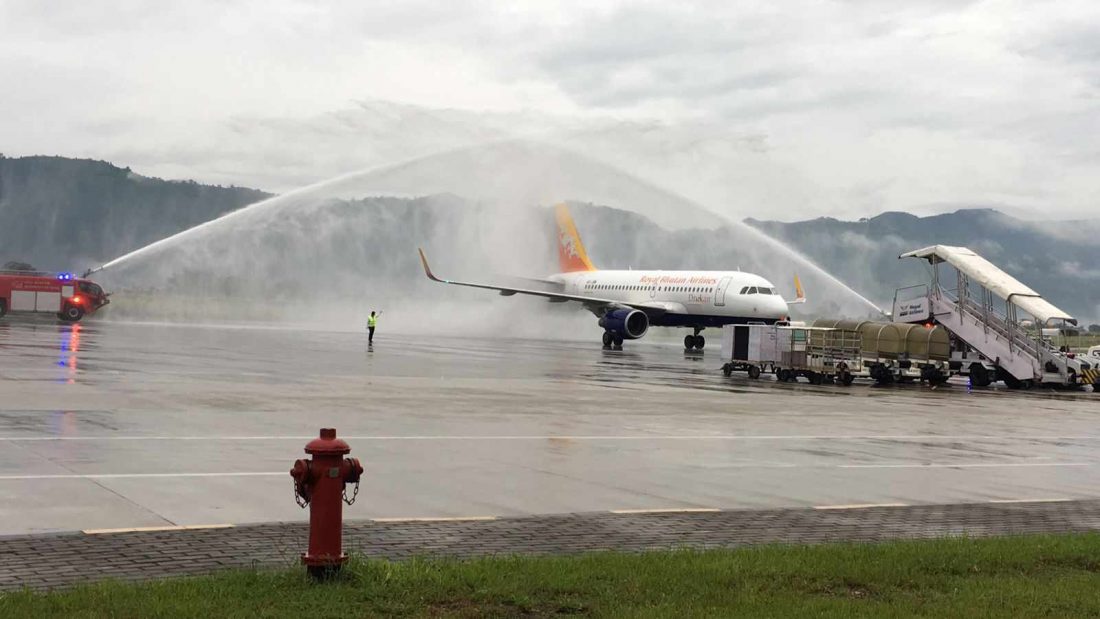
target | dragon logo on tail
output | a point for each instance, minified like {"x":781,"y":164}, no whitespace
{"x":571,"y":254}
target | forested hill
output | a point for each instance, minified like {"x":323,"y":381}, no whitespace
{"x":69,"y":214}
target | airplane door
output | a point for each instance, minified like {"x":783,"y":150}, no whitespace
{"x":720,"y":291}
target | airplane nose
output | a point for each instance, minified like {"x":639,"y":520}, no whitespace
{"x":779,"y":306}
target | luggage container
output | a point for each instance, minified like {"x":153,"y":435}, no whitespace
{"x":752,"y":348}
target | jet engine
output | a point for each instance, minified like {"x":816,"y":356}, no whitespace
{"x":631,"y":324}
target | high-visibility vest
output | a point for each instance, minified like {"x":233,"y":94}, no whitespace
{"x":372,"y":321}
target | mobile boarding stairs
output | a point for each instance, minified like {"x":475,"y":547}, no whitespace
{"x":972,"y":313}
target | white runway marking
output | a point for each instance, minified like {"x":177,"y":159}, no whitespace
{"x":932,"y":465}
{"x":959,"y":465}
{"x":543,"y":437}
{"x":670,"y":510}
{"x":185,"y":527}
{"x":140,"y":475}
{"x":860,"y":505}
{"x":1030,"y":500}
{"x":437,"y":519}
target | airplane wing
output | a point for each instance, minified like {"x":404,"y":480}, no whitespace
{"x":666,"y":307}
{"x":800,"y":296}
{"x":596,"y":305}
{"x":537,"y":280}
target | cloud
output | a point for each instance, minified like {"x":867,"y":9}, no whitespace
{"x":1078,"y":270}
{"x":789,"y":110}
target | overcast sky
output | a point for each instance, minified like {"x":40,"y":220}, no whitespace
{"x":777,"y":109}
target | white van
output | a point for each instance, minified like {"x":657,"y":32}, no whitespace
{"x":1094,"y":354}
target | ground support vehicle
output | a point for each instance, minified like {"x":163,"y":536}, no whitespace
{"x":972,"y":364}
{"x":69,"y":298}
{"x":819,"y":355}
{"x":897,"y":353}
{"x":986,"y":311}
{"x":1090,"y":372}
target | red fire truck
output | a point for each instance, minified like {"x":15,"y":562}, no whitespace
{"x":70,"y":298}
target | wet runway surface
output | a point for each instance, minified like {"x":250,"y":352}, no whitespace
{"x":115,"y":425}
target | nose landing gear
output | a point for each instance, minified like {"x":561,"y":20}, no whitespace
{"x":696,"y":341}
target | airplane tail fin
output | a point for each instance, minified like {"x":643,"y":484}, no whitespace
{"x":571,"y":254}
{"x":799,"y":294}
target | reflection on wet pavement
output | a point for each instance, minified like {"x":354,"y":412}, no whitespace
{"x":107,"y":425}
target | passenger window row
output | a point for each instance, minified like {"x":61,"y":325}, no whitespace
{"x":689,"y":289}
{"x":659,"y":288}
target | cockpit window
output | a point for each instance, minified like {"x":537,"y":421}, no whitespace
{"x":765,"y":290}
{"x":752,"y":290}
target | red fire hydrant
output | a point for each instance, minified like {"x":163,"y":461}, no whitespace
{"x":322,"y":483}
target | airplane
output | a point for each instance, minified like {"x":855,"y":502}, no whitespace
{"x":628,"y":303}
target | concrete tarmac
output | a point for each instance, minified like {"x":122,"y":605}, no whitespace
{"x":115,"y":425}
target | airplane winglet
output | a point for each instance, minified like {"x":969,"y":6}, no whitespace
{"x":799,"y":294}
{"x":427,"y":269}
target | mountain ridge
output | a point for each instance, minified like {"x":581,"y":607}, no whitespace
{"x":1059,"y":259}
{"x":59,"y":213}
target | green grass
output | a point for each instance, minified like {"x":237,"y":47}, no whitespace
{"x":1034,"y":576}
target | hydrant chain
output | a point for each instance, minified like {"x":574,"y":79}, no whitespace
{"x":354,"y":493}
{"x":301,"y":474}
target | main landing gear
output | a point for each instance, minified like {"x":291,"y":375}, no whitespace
{"x":612,"y":341}
{"x":696,"y":341}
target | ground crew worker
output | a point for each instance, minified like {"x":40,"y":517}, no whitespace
{"x":372,"y":322}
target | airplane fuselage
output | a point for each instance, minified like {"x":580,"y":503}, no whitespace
{"x":693,"y":298}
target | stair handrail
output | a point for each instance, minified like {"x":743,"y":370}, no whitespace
{"x":1014,"y":335}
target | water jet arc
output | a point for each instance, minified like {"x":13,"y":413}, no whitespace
{"x":539,"y":173}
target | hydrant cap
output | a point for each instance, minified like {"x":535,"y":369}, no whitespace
{"x":327,"y":444}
